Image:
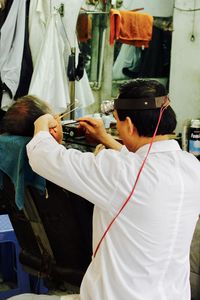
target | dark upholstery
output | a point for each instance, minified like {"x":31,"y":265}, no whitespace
{"x":54,"y":232}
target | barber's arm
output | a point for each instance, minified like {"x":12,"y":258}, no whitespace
{"x":96,"y":129}
{"x":93,"y":127}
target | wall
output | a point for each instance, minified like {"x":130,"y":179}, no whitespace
{"x":157,"y":8}
{"x":185,"y":62}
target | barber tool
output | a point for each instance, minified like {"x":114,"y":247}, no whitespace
{"x":72,"y":123}
{"x":73,"y":130}
{"x":67,"y":112}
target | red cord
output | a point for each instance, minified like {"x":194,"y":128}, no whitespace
{"x":136,"y":181}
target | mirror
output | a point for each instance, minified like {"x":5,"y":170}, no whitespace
{"x":152,"y":62}
{"x":129,"y":61}
{"x":91,"y":28}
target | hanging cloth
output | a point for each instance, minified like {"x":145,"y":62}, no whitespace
{"x":84,"y":27}
{"x":26,"y":66}
{"x":130,"y":27}
{"x":11,"y":50}
{"x":39,"y":14}
{"x":49,"y":81}
{"x":4,"y":10}
{"x":128,"y":57}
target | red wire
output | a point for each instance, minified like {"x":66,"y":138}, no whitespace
{"x":136,"y":181}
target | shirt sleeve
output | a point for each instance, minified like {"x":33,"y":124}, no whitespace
{"x":93,"y":177}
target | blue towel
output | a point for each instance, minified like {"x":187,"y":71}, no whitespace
{"x":14,"y":163}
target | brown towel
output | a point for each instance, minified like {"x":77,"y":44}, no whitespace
{"x":130,"y":27}
{"x":84,"y":27}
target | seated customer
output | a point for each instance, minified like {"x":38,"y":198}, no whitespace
{"x":20,"y":117}
{"x":76,"y":215}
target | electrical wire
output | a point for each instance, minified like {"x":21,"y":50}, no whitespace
{"x":192,"y":38}
{"x":135,"y":183}
{"x":187,"y":10}
{"x":194,"y":10}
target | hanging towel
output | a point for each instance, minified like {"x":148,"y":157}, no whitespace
{"x":130,"y":27}
{"x":14,"y":163}
{"x":84,"y":28}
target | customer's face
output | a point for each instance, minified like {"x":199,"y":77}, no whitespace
{"x":57,"y":131}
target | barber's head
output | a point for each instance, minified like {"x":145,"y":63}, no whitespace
{"x":20,"y":117}
{"x":145,"y":120}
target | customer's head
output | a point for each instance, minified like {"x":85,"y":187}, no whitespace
{"x":145,"y":120}
{"x":20,"y":117}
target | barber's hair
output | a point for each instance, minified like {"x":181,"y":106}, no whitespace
{"x":146,"y":120}
{"x":20,"y":117}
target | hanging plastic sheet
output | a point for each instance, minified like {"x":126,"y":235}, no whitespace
{"x":57,"y":94}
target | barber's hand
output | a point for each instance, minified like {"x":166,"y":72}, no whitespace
{"x":94,"y":128}
{"x":45,"y":123}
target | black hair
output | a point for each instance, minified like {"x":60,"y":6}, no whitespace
{"x":146,"y":120}
{"x":20,"y":117}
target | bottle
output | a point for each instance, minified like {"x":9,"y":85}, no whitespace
{"x":194,"y":137}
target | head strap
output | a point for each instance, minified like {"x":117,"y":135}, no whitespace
{"x":141,"y":103}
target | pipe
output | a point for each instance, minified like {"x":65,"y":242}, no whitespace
{"x":97,"y":85}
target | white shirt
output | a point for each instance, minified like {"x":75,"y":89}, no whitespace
{"x":145,"y":255}
{"x":128,"y":57}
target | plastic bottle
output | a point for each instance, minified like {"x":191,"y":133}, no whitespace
{"x":194,"y":137}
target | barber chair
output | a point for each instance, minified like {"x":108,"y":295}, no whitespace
{"x":54,"y":231}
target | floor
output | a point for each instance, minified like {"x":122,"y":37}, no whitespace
{"x":66,"y":290}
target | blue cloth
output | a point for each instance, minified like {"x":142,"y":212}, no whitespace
{"x":14,"y":163}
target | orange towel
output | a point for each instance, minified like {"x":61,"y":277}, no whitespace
{"x":130,"y":27}
{"x":84,"y":27}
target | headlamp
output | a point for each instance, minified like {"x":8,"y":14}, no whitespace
{"x":134,"y":104}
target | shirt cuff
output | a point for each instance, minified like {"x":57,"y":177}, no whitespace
{"x":40,"y":136}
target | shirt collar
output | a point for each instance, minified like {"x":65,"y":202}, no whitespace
{"x":160,"y":146}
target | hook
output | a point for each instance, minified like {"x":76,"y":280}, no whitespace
{"x":61,"y":9}
{"x":192,"y":38}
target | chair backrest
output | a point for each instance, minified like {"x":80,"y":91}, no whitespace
{"x":54,"y":230}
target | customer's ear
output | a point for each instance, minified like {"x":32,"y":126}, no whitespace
{"x":53,"y":132}
{"x":130,"y":126}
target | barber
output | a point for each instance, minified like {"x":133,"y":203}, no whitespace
{"x":146,"y":205}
